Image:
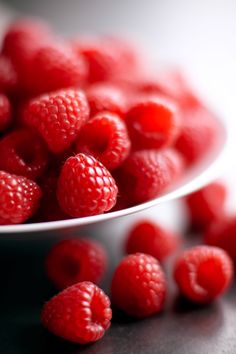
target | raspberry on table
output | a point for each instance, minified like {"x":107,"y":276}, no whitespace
{"x":8,"y":76}
{"x":23,"y":153}
{"x":146,"y":174}
{"x":106,"y":138}
{"x":58,"y":116}
{"x":148,"y":237}
{"x":76,"y":260}
{"x":139,"y":285}
{"x":203,"y":273}
{"x":206,"y":204}
{"x":5,"y":112}
{"x":19,"y":198}
{"x":221,"y":233}
{"x":80,"y":313}
{"x":85,"y":187}
{"x":153,"y":122}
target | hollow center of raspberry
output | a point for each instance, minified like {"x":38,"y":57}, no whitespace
{"x":26,"y":154}
{"x":210,"y":276}
{"x":97,"y":309}
{"x":70,"y":268}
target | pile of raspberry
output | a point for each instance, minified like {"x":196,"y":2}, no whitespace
{"x":86,"y":128}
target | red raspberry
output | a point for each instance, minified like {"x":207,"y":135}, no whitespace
{"x":85,"y":187}
{"x":5,"y":112}
{"x":153,"y":122}
{"x":105,"y":137}
{"x":75,"y":260}
{"x":8,"y":76}
{"x":80,"y":313}
{"x":139,"y":285}
{"x":206,"y":205}
{"x":106,"y":97}
{"x":150,"y":238}
{"x":221,"y":233}
{"x":199,"y":127}
{"x":148,"y":173}
{"x":203,"y":273}
{"x":58,"y":117}
{"x":19,"y":198}
{"x":23,"y":153}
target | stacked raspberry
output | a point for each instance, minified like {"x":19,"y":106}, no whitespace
{"x":86,"y":112}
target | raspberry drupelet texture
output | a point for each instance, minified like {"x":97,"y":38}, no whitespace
{"x":85,"y":187}
{"x":111,"y":145}
{"x":153,"y":122}
{"x":203,"y":273}
{"x":222,"y":233}
{"x":80,"y":313}
{"x":5,"y":112}
{"x":19,"y":198}
{"x":206,"y":205}
{"x":76,"y":260}
{"x":145,"y":174}
{"x":148,"y":237}
{"x":58,"y":117}
{"x":23,"y":153}
{"x":139,"y":285}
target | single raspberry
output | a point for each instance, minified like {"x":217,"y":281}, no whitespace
{"x":146,"y":174}
{"x":203,"y":273}
{"x":106,"y":138}
{"x":23,"y":153}
{"x":139,"y":285}
{"x":199,"y":127}
{"x":5,"y":112}
{"x":58,"y":117}
{"x":85,"y":187}
{"x":19,"y":198}
{"x":206,"y":205}
{"x":80,"y":313}
{"x":8,"y":76}
{"x":153,"y":122}
{"x":75,"y":260}
{"x":106,"y":97}
{"x":221,"y":233}
{"x":150,"y":238}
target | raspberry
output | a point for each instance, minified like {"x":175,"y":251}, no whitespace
{"x":19,"y":198}
{"x":105,"y":137}
{"x":203,"y":273}
{"x":150,"y":238}
{"x":80,"y":313}
{"x":206,"y":205}
{"x":146,"y":174}
{"x":8,"y":76}
{"x":221,"y":233}
{"x":23,"y":153}
{"x":75,"y":260}
{"x":85,"y":187}
{"x":139,"y":285}
{"x":153,"y":122}
{"x":5,"y":112}
{"x":106,"y":97}
{"x":58,"y":117}
{"x":199,"y":127}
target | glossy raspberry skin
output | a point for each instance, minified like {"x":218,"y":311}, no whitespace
{"x":148,"y":237}
{"x":23,"y":153}
{"x":80,"y":313}
{"x":19,"y":198}
{"x":58,"y":117}
{"x":75,"y":260}
{"x":85,"y":187}
{"x":153,"y":122}
{"x":8,"y":76}
{"x":221,"y":233}
{"x":106,"y":97}
{"x":203,"y":273}
{"x":5,"y":112}
{"x":156,"y":170}
{"x":139,"y":285}
{"x":206,"y":205}
{"x":106,"y":138}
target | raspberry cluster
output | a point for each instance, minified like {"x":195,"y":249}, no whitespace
{"x":85,"y":116}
